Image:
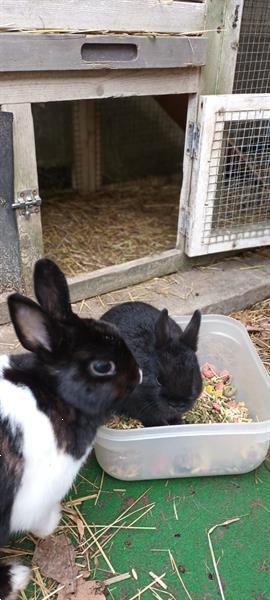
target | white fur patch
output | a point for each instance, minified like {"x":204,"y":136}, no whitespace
{"x":48,"y":472}
{"x":19,"y":576}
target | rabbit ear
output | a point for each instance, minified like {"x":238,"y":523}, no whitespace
{"x":162,"y":328}
{"x":190,"y":335}
{"x":51,"y":289}
{"x":33,"y":327}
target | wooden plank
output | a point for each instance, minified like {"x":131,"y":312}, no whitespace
{"x":108,"y":279}
{"x":230,"y":43}
{"x":200,"y":177}
{"x":44,"y":87}
{"x":25,"y":177}
{"x":223,"y":22}
{"x":184,"y":208}
{"x":102,"y":15}
{"x":256,"y":239}
{"x":86,"y":151}
{"x":214,"y":24}
{"x":9,"y":247}
{"x":20,"y":52}
{"x":235,"y":103}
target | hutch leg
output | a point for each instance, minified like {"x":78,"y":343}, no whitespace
{"x":26,"y":179}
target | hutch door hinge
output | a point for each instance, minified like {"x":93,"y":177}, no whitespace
{"x":27,"y":202}
{"x":193,"y":138}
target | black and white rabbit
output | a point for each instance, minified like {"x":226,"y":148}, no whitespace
{"x":167,"y":356}
{"x":52,"y":400}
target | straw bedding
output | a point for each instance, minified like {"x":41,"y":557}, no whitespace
{"x":116,"y":224}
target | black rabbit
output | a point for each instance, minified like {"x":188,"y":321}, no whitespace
{"x":52,"y":400}
{"x":167,"y":356}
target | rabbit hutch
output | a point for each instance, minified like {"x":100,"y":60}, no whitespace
{"x":132,"y":136}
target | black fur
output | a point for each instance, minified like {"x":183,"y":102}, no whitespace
{"x":51,"y":289}
{"x":5,"y":581}
{"x":171,"y":374}
{"x":58,"y":369}
{"x":76,"y":403}
{"x":61,"y":372}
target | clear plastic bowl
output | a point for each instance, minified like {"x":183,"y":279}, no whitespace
{"x":196,"y":450}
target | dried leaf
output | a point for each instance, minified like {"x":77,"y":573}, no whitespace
{"x":55,"y":557}
{"x":86,"y":590}
{"x":80,"y":526}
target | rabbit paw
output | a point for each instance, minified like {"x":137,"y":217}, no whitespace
{"x":49,"y":523}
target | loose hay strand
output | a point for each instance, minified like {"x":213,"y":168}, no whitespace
{"x":257,"y":322}
{"x":96,"y":542}
{"x":147,"y":587}
{"x":209,"y":532}
{"x":119,"y":518}
{"x":100,"y":488}
{"x":117,"y":579}
{"x":175,"y":567}
{"x":175,"y":511}
{"x":77,"y":501}
{"x":158,"y":580}
{"x":120,"y":527}
{"x":156,"y":594}
{"x":125,"y":526}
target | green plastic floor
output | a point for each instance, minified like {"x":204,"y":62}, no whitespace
{"x":184,"y":510}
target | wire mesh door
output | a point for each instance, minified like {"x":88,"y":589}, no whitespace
{"x":252,"y":73}
{"x":229,"y":204}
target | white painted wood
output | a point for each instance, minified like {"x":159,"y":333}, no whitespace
{"x":222,"y":24}
{"x":25,"y":177}
{"x":187,"y":171}
{"x":229,"y":106}
{"x":86,"y":146}
{"x":102,"y":15}
{"x":235,"y":103}
{"x":199,"y":181}
{"x":44,"y":87}
{"x":258,"y":239}
{"x":229,"y":48}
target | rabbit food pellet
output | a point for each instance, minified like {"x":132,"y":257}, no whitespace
{"x":216,"y":404}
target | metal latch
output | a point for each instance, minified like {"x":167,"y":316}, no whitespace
{"x":28,"y":202}
{"x":193,"y":138}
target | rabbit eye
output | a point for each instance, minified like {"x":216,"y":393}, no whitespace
{"x":159,"y":382}
{"x":100,"y":368}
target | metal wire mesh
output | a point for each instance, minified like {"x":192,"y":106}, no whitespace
{"x":238,"y":197}
{"x":252,"y":74}
{"x":137,"y":139}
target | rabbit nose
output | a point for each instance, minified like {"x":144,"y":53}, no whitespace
{"x":141,"y":376}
